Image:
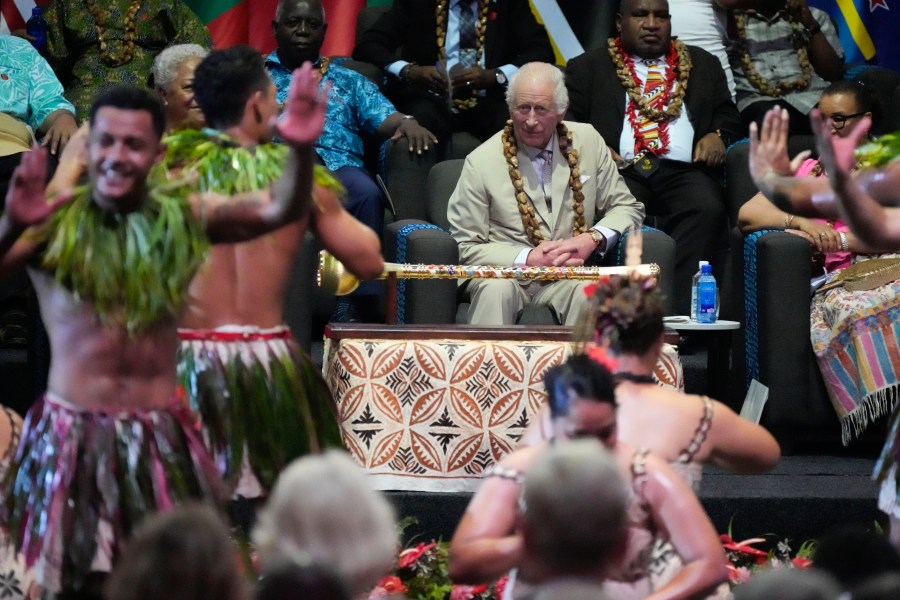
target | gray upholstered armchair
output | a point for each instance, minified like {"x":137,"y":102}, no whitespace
{"x":416,"y":241}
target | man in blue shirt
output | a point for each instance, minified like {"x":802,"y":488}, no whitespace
{"x":355,"y":106}
{"x":32,"y":106}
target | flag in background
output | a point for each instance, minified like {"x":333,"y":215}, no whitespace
{"x":869,"y":29}
{"x":233,"y":21}
{"x":14,"y":13}
{"x":250,"y":22}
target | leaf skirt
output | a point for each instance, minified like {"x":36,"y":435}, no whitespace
{"x":83,"y":480}
{"x":261,"y":400}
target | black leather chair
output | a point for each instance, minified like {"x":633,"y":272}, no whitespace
{"x":767,"y":290}
{"x":428,"y":242}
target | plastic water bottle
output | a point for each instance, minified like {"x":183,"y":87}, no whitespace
{"x":706,"y":296}
{"x":694,"y":281}
{"x":36,"y":27}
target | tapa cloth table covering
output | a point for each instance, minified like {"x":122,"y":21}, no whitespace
{"x":431,"y":415}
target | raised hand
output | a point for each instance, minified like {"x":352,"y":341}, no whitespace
{"x":26,"y":202}
{"x":836,"y":153}
{"x":768,"y":146}
{"x":304,"y":113}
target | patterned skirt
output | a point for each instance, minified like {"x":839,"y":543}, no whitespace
{"x":261,"y":400}
{"x":83,"y":480}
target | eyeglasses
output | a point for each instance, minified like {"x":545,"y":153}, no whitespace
{"x":838,"y":121}
{"x":540,"y":111}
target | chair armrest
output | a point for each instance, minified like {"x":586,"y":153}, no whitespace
{"x":423,"y":301}
{"x":659,"y":248}
{"x":780,"y":322}
{"x":301,"y":291}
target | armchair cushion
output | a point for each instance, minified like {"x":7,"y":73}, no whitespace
{"x":773,"y":273}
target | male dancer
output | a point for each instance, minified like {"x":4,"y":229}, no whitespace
{"x":261,"y":399}
{"x":112,"y":440}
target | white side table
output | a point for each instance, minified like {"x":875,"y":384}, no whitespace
{"x":717,"y":339}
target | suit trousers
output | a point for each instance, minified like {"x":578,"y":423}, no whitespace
{"x":365,"y":201}
{"x":499,"y":301}
{"x":689,"y":205}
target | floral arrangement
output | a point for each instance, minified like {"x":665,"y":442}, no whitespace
{"x":421,"y":572}
{"x":745,"y":558}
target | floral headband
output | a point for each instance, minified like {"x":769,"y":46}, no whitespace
{"x":616,"y":303}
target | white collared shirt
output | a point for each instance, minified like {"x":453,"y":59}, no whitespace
{"x":681,"y":132}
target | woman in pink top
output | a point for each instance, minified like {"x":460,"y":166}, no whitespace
{"x":852,"y":330}
{"x":843,"y":103}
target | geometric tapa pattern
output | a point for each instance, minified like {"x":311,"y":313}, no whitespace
{"x":432,"y":415}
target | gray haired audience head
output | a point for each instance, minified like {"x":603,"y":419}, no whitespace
{"x":167,"y":62}
{"x":539,"y":71}
{"x":574,"y":518}
{"x":789,"y":584}
{"x":323,"y":510}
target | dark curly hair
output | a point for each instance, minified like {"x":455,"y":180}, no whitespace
{"x":579,"y":375}
{"x":628,"y":314}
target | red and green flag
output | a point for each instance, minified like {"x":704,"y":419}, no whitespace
{"x":250,"y":22}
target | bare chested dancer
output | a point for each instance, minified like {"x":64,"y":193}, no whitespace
{"x":110,"y":262}
{"x":262,"y":401}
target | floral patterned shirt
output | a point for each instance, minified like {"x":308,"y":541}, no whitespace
{"x":29,"y":90}
{"x":73,"y":44}
{"x":355,"y":106}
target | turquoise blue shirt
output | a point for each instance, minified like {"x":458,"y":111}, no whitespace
{"x":29,"y":89}
{"x":355,"y":106}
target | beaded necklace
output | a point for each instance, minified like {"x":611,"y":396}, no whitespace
{"x":441,"y":12}
{"x":665,"y":106}
{"x":680,"y":61}
{"x":753,"y":76}
{"x":526,"y":208}
{"x":124,"y":56}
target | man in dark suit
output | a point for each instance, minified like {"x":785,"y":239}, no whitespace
{"x":665,"y":111}
{"x":479,"y":43}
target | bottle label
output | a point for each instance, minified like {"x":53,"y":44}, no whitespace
{"x":706,"y":302}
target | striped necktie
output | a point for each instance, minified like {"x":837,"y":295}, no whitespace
{"x":654,"y":92}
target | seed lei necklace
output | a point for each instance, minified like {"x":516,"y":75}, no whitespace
{"x":124,"y":56}
{"x":765,"y":87}
{"x":441,"y":13}
{"x":679,"y":61}
{"x":526,"y":208}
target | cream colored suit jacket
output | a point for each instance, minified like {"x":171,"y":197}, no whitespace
{"x":484,"y":215}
